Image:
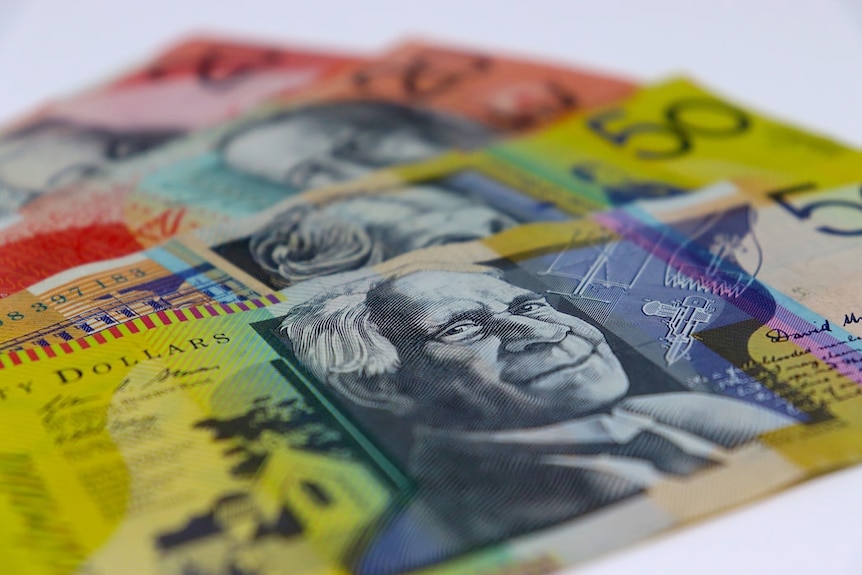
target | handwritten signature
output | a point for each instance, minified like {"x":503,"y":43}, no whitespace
{"x":777,"y":335}
{"x":168,"y":374}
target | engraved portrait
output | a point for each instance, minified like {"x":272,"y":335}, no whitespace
{"x":306,"y":241}
{"x":52,"y":152}
{"x":340,"y":233}
{"x":319,"y":144}
{"x":511,"y":414}
{"x":316,"y":145}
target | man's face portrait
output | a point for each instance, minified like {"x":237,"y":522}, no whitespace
{"x":466,"y":350}
{"x":356,"y":232}
{"x":510,"y":414}
{"x":498,"y":350}
{"x":421,"y":217}
{"x":323,"y":144}
{"x":54,"y":153}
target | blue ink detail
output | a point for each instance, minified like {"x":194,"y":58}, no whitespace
{"x":206,"y":182}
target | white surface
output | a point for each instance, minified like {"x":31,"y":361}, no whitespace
{"x":797,"y":59}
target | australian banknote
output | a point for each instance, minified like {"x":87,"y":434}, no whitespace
{"x":48,"y":157}
{"x":456,"y":198}
{"x":411,"y":104}
{"x":451,"y":200}
{"x":686,"y":136}
{"x":802,"y":241}
{"x":296,"y":241}
{"x":519,"y":403}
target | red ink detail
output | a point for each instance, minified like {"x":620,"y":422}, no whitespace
{"x":163,"y":226}
{"x":30,"y":260}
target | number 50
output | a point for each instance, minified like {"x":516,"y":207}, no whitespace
{"x":805,"y":211}
{"x":683,"y":120}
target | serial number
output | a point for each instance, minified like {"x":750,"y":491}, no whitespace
{"x":74,"y":293}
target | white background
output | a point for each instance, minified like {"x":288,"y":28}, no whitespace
{"x":797,"y":59}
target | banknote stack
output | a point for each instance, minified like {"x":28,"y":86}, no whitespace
{"x":269,"y":309}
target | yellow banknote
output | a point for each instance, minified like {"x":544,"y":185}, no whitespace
{"x":683,"y":136}
{"x":515,"y":404}
{"x":802,"y":241}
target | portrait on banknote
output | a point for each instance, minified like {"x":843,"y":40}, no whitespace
{"x":258,"y":162}
{"x":51,"y":152}
{"x":305,"y":242}
{"x":320,"y":144}
{"x":520,"y":395}
{"x":512,"y":409}
{"x":346,"y":233}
